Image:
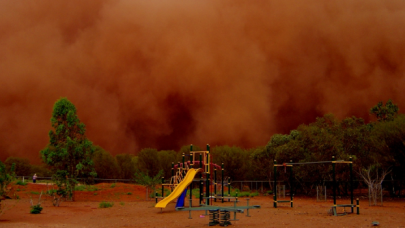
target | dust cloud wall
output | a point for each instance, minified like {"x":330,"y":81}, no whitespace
{"x":165,"y":73}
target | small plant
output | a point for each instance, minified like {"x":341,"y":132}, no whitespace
{"x":106,"y":204}
{"x":122,"y":203}
{"x":113,"y":185}
{"x":20,"y":182}
{"x":35,"y":193}
{"x":95,"y":193}
{"x":36,"y":209}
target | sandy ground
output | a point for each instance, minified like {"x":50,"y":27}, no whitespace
{"x":130,"y":209}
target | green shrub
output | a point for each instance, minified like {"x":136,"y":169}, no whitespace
{"x":243,"y":194}
{"x":122,"y":203}
{"x":36,"y":209}
{"x":113,"y":185}
{"x":129,"y":193}
{"x":20,"y":182}
{"x":80,"y":188}
{"x":35,"y":193}
{"x":254,"y":194}
{"x":106,"y":204}
{"x":89,"y":188}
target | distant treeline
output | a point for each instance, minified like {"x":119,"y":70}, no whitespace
{"x":376,"y":147}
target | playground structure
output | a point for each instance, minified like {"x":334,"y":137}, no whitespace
{"x":199,"y":159}
{"x":333,"y":162}
{"x":184,"y":178}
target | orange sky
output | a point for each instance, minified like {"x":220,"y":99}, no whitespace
{"x":163,"y":73}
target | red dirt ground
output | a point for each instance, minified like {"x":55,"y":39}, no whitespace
{"x":132,"y":210}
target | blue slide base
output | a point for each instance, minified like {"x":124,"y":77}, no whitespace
{"x":180,"y":200}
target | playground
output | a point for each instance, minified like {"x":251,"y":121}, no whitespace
{"x":132,"y":207}
{"x":134,"y":211}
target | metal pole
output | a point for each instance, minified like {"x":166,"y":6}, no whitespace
{"x":275,"y":185}
{"x":334,"y":182}
{"x":291,"y":184}
{"x":172,"y":169}
{"x":184,"y":172}
{"x":207,"y":164}
{"x":191,"y":156}
{"x":215,"y":184}
{"x":191,"y":165}
{"x":358,"y":206}
{"x":201,"y":181}
{"x":163,"y":187}
{"x":189,"y":212}
{"x":229,"y":189}
{"x":222,"y":180}
{"x":351,"y":184}
{"x":172,"y":176}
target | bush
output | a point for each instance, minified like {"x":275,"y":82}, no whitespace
{"x":36,"y":209}
{"x":254,"y":194}
{"x":88,"y":188}
{"x":19,"y":182}
{"x":80,"y":188}
{"x":113,"y":185}
{"x":106,"y":204}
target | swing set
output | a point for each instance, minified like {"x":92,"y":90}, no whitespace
{"x":333,"y":162}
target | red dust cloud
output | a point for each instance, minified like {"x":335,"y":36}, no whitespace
{"x":163,"y":73}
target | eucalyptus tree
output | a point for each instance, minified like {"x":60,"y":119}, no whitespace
{"x":69,"y":152}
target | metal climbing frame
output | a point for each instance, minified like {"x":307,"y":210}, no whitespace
{"x":334,"y":210}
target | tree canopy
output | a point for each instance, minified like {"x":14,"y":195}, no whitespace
{"x":69,"y":152}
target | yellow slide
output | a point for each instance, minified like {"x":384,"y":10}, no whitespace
{"x":179,"y":188}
